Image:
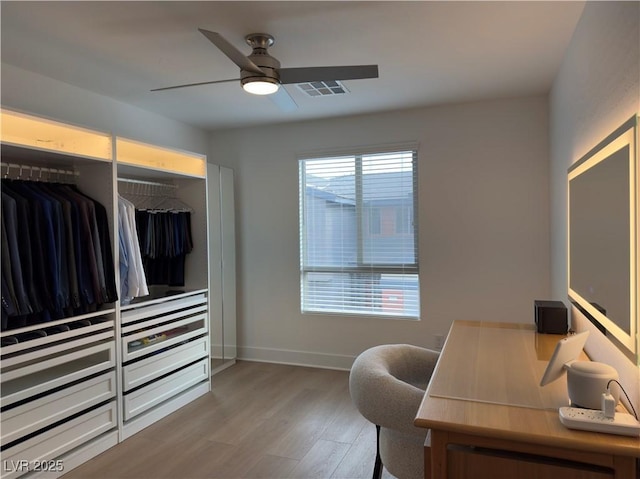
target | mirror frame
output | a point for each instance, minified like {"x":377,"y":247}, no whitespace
{"x":625,"y":135}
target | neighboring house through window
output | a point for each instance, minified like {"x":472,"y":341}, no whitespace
{"x":358,"y":234}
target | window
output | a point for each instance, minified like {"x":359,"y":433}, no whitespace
{"x":358,"y":234}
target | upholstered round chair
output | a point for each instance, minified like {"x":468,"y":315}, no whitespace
{"x":387,"y":384}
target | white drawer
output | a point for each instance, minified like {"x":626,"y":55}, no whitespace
{"x":101,"y":322}
{"x":145,"y":370}
{"x":55,"y":371}
{"x":58,"y":440}
{"x":44,"y":411}
{"x":149,"y":396}
{"x":44,"y":352}
{"x":166,"y":335}
{"x":165,"y":319}
{"x":160,"y":309}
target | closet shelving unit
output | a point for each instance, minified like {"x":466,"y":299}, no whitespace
{"x":164,"y":336}
{"x":59,"y":392}
{"x":69,"y":396}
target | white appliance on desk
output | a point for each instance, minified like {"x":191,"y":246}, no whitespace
{"x":586,"y":380}
{"x":588,"y":386}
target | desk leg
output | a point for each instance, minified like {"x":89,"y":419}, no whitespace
{"x":439,"y":441}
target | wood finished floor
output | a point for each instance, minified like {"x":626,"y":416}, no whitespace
{"x":260,"y":421}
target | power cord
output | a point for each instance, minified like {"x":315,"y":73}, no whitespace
{"x":608,"y":393}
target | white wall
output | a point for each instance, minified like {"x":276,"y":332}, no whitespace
{"x":43,"y":96}
{"x":484,"y":232}
{"x":596,"y":90}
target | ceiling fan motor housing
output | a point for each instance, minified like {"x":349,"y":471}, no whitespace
{"x":269,"y":65}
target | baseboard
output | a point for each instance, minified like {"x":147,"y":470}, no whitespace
{"x":296,"y":358}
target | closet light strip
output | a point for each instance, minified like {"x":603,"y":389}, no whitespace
{"x":22,"y":130}
{"x":131,"y":152}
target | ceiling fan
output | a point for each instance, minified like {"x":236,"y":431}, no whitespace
{"x":260,"y":73}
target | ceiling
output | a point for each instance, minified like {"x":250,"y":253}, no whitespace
{"x":428,"y":53}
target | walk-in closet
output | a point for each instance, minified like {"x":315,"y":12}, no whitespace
{"x":105,"y":289}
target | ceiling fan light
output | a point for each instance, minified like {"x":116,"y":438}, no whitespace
{"x":260,"y":86}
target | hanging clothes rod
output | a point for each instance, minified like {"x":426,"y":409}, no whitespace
{"x":147,"y":183}
{"x":152,"y":195}
{"x":35,"y":169}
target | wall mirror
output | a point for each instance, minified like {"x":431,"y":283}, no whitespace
{"x":603,"y":237}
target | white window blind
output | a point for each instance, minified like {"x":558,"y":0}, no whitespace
{"x":358,"y":234}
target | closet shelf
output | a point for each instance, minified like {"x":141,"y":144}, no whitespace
{"x":34,"y":156}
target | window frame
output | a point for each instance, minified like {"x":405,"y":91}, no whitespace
{"x":362,"y":267}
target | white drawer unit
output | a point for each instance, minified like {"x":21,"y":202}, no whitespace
{"x":58,"y":392}
{"x":36,"y":452}
{"x":164,"y":354}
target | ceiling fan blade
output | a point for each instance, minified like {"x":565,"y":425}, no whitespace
{"x":283,"y":100}
{"x":235,"y":55}
{"x":310,"y":74}
{"x":194,"y":84}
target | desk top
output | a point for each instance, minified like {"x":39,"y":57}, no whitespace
{"x":486,"y":383}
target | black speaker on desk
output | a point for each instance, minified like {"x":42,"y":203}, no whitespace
{"x":550,"y":317}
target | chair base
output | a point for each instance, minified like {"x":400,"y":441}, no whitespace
{"x":377,"y":468}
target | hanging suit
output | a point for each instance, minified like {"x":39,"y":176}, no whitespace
{"x":56,"y":253}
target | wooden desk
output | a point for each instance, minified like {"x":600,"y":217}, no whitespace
{"x":490,"y":418}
